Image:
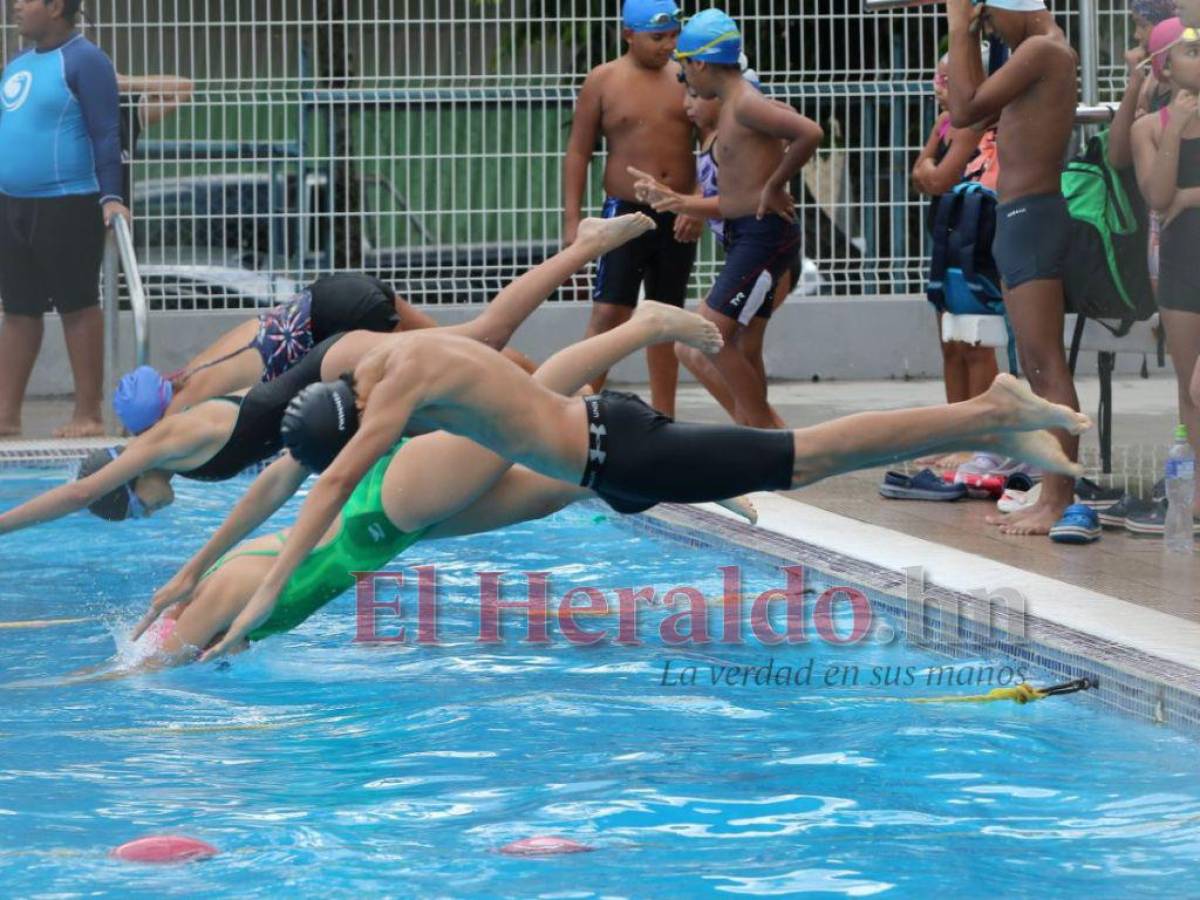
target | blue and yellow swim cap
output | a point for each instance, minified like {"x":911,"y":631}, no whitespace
{"x":710,"y":36}
{"x":651,"y":15}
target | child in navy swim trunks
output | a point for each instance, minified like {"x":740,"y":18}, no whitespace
{"x":705,"y":113}
{"x":761,"y":236}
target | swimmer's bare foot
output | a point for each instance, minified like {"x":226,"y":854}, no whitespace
{"x":1040,"y":519}
{"x":601,"y":235}
{"x":943,"y":460}
{"x":1020,"y":409}
{"x":1038,"y":448}
{"x":81,"y":427}
{"x":10,"y":429}
{"x":743,"y":507}
{"x":670,"y":323}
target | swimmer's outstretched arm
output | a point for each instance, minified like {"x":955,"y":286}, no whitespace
{"x":270,"y":490}
{"x":151,"y":450}
{"x":391,"y":404}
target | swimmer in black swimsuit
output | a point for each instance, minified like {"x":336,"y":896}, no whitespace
{"x":612,"y":444}
{"x":218,"y":438}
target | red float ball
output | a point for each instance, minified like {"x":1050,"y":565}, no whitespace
{"x":544,"y":845}
{"x":164,"y":848}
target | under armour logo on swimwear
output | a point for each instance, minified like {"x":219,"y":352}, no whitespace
{"x":16,"y":91}
{"x":598,"y":430}
{"x":375,"y":530}
{"x":596,"y":455}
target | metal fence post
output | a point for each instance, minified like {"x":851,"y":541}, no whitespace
{"x":1089,"y":51}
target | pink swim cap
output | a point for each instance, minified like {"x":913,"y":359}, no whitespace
{"x":1164,"y":36}
{"x":161,"y":630}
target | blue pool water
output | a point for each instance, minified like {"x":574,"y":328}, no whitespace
{"x":319,"y":765}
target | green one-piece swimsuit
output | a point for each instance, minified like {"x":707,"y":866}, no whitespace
{"x":366,"y":542}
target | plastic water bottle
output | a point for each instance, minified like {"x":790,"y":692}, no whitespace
{"x":1181,"y":493}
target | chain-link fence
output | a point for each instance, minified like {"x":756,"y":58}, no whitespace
{"x":422,"y":140}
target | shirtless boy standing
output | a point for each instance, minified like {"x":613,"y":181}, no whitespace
{"x":761,"y":145}
{"x":636,"y":104}
{"x":1034,"y":94}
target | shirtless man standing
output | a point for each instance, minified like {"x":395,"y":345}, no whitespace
{"x":611,"y":443}
{"x":636,"y":104}
{"x":1034,"y":94}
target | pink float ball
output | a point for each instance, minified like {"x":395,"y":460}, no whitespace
{"x":164,"y":848}
{"x":544,"y":845}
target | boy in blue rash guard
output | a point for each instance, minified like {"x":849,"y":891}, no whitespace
{"x":60,"y":184}
{"x":761,"y":234}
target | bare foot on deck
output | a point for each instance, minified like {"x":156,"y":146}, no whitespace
{"x":674,"y":324}
{"x":743,"y":507}
{"x":10,"y":429}
{"x":1039,"y":519}
{"x":944,"y":461}
{"x":602,"y":235}
{"x":1020,"y":409}
{"x":80,"y":428}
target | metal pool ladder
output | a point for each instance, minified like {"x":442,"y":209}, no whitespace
{"x":119,"y":251}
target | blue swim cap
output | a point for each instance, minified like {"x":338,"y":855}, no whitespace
{"x":651,"y":15}
{"x":141,"y":399}
{"x":710,"y":36}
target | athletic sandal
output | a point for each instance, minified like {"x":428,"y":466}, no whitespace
{"x":1153,"y":520}
{"x":1012,"y":499}
{"x":1091,"y":494}
{"x":1115,"y":516}
{"x":1078,"y":525}
{"x":925,"y":485}
{"x":986,"y":474}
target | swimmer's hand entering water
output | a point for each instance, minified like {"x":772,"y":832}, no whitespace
{"x":175,"y":591}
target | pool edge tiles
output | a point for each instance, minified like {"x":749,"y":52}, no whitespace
{"x":1147,"y":662}
{"x":50,"y":453}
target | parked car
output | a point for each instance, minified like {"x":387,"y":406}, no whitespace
{"x":266,"y":223}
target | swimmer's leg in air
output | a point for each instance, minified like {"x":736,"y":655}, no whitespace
{"x":501,"y":318}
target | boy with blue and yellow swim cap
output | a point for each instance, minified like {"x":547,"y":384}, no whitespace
{"x":761,"y":146}
{"x":636,"y":104}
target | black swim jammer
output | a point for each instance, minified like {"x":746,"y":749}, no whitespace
{"x":638,"y":457}
{"x":255,"y":436}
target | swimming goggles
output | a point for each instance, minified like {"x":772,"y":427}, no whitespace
{"x":659,"y":19}
{"x":137,"y":509}
{"x":719,"y":39}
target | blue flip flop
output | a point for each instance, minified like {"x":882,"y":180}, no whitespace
{"x":1079,"y":525}
{"x":925,"y":485}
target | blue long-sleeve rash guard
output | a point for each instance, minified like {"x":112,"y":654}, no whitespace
{"x":60,"y":129}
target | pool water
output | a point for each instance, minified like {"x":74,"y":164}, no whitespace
{"x":320,"y":765}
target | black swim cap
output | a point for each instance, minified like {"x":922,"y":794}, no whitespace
{"x":113,"y":506}
{"x":320,"y":421}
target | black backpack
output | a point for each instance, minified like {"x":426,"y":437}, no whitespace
{"x":963,"y":278}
